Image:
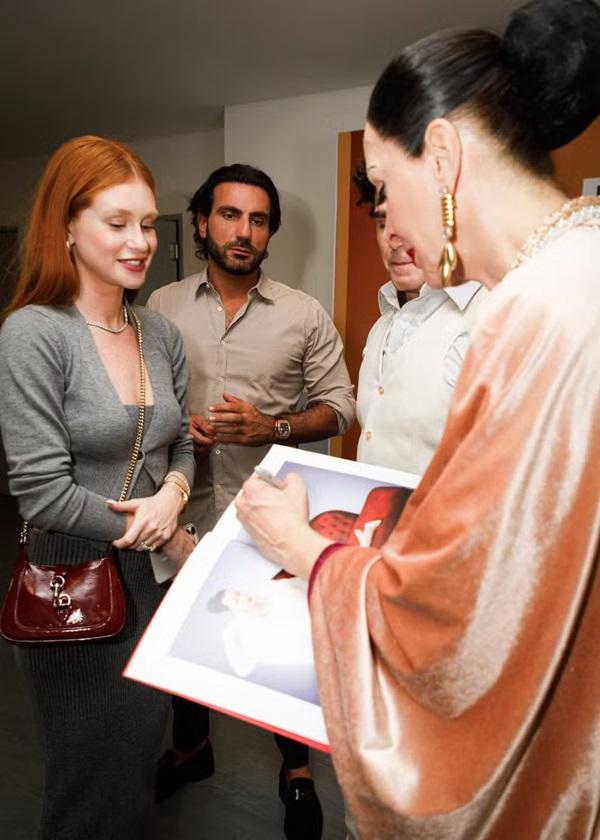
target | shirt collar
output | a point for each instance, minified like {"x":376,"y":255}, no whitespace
{"x":459,"y":295}
{"x":388,"y":297}
{"x":463,"y":294}
{"x":264,"y":287}
{"x":202,"y":281}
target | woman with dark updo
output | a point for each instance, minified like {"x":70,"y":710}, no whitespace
{"x":459,"y":666}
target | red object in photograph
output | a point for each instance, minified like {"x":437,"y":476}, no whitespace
{"x":383,"y":505}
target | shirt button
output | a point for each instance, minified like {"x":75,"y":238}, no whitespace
{"x":369,"y":435}
{"x":217,"y":451}
{"x":219,"y":308}
{"x":380,"y":389}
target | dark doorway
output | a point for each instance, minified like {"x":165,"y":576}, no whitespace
{"x":9,"y":250}
{"x":166,"y":265}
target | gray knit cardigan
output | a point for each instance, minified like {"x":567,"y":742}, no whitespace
{"x":67,"y":436}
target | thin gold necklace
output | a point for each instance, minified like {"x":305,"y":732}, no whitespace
{"x":110,"y":329}
{"x":577,"y":211}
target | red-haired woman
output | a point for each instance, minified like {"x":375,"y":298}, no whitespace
{"x":70,"y":382}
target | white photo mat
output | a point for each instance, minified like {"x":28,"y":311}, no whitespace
{"x":184,"y":649}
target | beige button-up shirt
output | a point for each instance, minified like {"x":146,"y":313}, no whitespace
{"x":281,"y":352}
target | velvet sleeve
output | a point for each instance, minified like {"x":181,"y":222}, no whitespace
{"x":450,"y":664}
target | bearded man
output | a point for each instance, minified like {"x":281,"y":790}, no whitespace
{"x":265,"y":366}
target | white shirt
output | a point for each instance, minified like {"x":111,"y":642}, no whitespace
{"x":408,"y":318}
{"x":273,"y":628}
{"x":411,"y":362}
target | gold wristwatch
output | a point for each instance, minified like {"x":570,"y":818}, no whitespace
{"x":282,"y":429}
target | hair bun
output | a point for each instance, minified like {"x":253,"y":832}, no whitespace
{"x":553,"y":50}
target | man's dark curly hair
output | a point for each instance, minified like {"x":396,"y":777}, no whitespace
{"x":237,"y":173}
{"x":366,"y":190}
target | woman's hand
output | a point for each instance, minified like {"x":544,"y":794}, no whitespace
{"x":179,"y":547}
{"x":277,"y":521}
{"x":151,"y":520}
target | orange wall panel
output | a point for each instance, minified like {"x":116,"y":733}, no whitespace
{"x":356,"y":308}
{"x":577,"y":160}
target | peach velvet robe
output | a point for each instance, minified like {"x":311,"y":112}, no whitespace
{"x":459,"y":666}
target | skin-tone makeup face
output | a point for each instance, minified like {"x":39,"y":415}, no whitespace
{"x":114,"y":238}
{"x":398,"y":260}
{"x":411,"y":201}
{"x":245,"y":603}
{"x":237,"y":230}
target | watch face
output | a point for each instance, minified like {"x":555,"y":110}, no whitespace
{"x":283,"y":429}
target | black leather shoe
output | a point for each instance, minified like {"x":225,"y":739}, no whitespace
{"x":170,"y":777}
{"x":303,"y":813}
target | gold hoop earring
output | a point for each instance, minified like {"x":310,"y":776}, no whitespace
{"x":448,"y":259}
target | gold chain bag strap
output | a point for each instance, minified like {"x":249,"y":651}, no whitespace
{"x":71,"y":602}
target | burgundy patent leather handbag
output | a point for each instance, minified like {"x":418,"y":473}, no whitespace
{"x":62,"y":603}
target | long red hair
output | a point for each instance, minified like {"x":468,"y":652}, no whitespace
{"x":77,"y":170}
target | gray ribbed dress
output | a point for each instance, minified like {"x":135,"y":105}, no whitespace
{"x":68,"y":439}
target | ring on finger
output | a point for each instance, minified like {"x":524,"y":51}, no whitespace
{"x":146,"y":546}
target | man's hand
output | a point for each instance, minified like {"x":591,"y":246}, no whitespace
{"x":238,"y":421}
{"x":202,"y":432}
{"x":179,"y":547}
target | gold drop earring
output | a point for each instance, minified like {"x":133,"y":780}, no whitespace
{"x":448,"y":259}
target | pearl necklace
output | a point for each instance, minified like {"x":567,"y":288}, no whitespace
{"x":109,"y":329}
{"x":578,"y":211}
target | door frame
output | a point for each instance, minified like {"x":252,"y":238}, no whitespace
{"x":178,"y":219}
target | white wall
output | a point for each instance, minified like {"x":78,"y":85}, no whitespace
{"x":179,"y":164}
{"x":295,"y":141}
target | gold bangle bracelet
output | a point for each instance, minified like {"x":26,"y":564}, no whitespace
{"x":185,"y":496}
{"x":179,"y":479}
{"x":177,"y":484}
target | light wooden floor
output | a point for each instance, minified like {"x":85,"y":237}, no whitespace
{"x":238,"y":803}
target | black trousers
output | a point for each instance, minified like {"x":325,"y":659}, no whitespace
{"x":191,"y":726}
